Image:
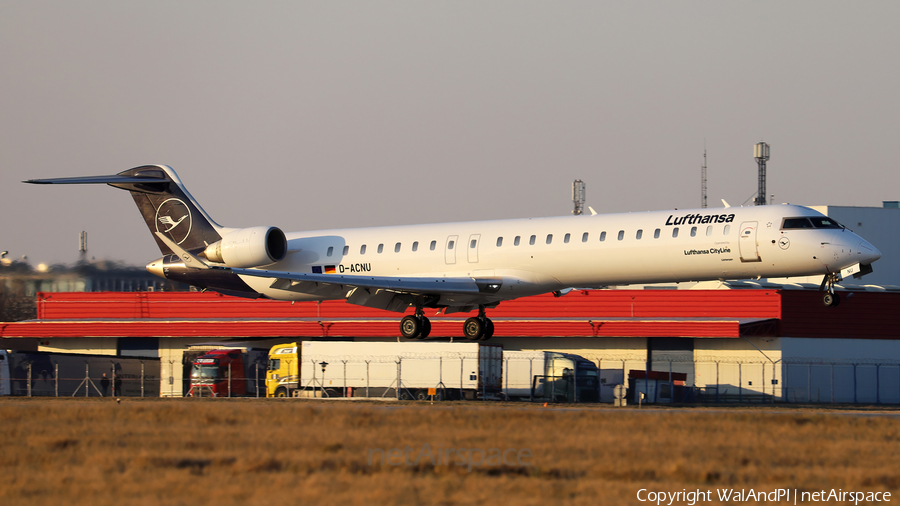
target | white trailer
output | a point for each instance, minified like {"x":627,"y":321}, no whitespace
{"x":410,"y":370}
{"x":549,"y":376}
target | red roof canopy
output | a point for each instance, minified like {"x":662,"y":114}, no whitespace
{"x":589,"y":313}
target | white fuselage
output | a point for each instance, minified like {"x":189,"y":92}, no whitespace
{"x":539,"y":255}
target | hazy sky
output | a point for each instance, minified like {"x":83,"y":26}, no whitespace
{"x":308,"y":115}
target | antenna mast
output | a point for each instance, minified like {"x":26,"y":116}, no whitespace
{"x":703,"y":179}
{"x":761,"y":153}
{"x":578,"y":196}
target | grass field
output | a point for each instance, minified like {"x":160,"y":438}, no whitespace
{"x":287,"y":451}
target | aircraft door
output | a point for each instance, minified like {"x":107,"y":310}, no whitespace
{"x":472,"y":248}
{"x":747,"y":243}
{"x":450,"y":249}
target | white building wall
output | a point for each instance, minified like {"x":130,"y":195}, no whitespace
{"x":86,"y":345}
{"x":841,"y":370}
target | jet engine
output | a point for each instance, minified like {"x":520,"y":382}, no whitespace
{"x":249,"y":247}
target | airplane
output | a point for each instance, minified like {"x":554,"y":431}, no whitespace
{"x":460,"y":267}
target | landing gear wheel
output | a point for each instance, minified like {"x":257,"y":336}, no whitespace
{"x":473,"y":329}
{"x":488,"y":329}
{"x":410,"y":327}
{"x":831,"y":299}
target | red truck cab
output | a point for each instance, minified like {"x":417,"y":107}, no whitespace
{"x":218,"y":373}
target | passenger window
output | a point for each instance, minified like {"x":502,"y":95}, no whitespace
{"x":693,"y":231}
{"x":499,"y":242}
{"x":727,"y":229}
{"x":549,"y":238}
{"x":656,"y":234}
{"x":362,"y":249}
{"x":451,"y":244}
{"x":516,"y":241}
{"x":584,"y":237}
{"x":330,"y":251}
{"x":603,"y":236}
{"x":346,"y":250}
{"x":415,"y":246}
{"x":473,"y":244}
{"x":397,"y":248}
{"x":531,"y":240}
{"x":638,"y":234}
{"x":380,"y":248}
{"x":621,"y":234}
{"x":433,"y":244}
{"x":566,"y":238}
{"x":709,"y":230}
{"x":675,"y":232}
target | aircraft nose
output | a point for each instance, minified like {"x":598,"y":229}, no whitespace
{"x":868,"y":253}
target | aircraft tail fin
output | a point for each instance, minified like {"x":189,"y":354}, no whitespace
{"x":163,"y":201}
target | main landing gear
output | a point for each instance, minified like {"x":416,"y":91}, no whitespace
{"x":417,"y":326}
{"x":478,"y":328}
{"x":830,"y":299}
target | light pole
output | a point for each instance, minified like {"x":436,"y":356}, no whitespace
{"x":324,"y":365}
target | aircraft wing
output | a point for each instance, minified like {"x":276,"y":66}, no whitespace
{"x":383,"y":292}
{"x":317,"y":283}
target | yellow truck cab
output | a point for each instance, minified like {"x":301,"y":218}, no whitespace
{"x":282,"y":375}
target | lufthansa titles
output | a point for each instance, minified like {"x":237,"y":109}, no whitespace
{"x":699,"y":219}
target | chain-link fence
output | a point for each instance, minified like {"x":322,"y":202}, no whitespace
{"x":684,"y":377}
{"x":84,"y":378}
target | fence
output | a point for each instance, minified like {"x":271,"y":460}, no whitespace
{"x":718,"y":379}
{"x":85,"y":378}
{"x":728,"y":379}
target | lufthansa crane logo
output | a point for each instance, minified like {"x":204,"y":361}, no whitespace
{"x":173,"y":217}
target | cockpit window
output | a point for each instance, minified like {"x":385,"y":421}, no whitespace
{"x":796,"y":223}
{"x":811,"y":222}
{"x":825,"y":222}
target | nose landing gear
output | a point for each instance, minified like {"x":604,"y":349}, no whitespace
{"x":829,"y":298}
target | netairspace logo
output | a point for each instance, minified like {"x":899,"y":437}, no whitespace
{"x":787,"y":495}
{"x":460,"y":457}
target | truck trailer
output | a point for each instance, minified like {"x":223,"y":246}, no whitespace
{"x":228,"y":372}
{"x":549,"y":376}
{"x":39,"y":373}
{"x":413,"y":370}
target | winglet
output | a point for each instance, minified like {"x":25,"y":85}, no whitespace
{"x":726,"y":204}
{"x":593,"y":213}
{"x":190,"y":261}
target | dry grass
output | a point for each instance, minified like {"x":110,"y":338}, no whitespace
{"x":182,"y":451}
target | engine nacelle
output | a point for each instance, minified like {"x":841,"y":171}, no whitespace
{"x":249,"y":247}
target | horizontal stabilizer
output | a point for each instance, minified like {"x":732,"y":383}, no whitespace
{"x":190,"y":261}
{"x":115,"y":179}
